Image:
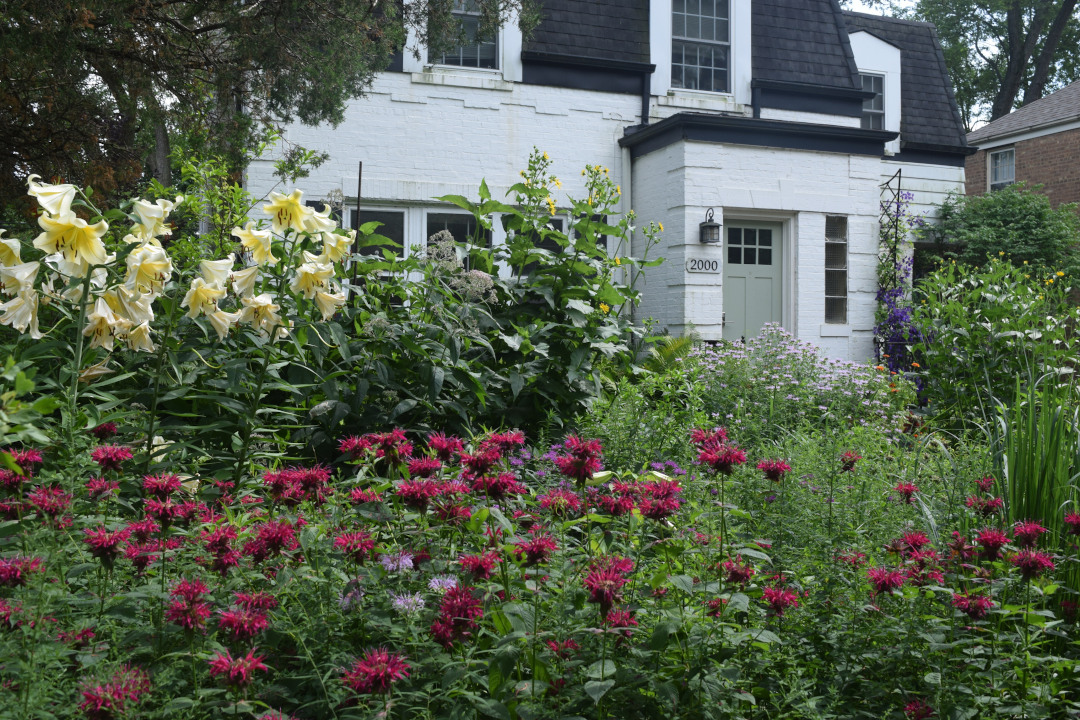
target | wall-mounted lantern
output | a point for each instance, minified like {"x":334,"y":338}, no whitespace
{"x":709,"y":230}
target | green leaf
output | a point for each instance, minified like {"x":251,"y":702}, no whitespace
{"x":601,"y":669}
{"x":683,"y":582}
{"x":516,"y":383}
{"x":596,"y":689}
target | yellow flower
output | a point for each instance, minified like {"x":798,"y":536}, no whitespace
{"x":243,"y":281}
{"x":618,"y":261}
{"x":216,"y":272}
{"x":335,"y":248}
{"x":19,"y":278}
{"x":56,"y":199}
{"x":1001,"y":252}
{"x":130,"y":305}
{"x":102,"y":325}
{"x":257,"y":242}
{"x":202,"y":298}
{"x":320,"y":222}
{"x":149,"y":268}
{"x":9,"y":250}
{"x":605,"y":308}
{"x":551,"y":205}
{"x":328,"y":303}
{"x":618,"y":189}
{"x":1059,"y":273}
{"x":21,"y":313}
{"x":261,"y":311}
{"x":152,"y":217}
{"x":555,"y":180}
{"x":1025,"y":262}
{"x":78,"y":243}
{"x":138,"y":339}
{"x":546,"y":156}
{"x":287,"y":211}
{"x":221,"y":321}
{"x":310,"y":277}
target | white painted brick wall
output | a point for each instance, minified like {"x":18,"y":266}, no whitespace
{"x":419,"y":139}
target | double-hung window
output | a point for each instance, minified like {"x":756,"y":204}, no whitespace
{"x":873,"y":109}
{"x":473,"y":52}
{"x":1002,"y":168}
{"x":701,"y":45}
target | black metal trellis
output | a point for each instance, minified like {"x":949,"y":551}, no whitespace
{"x":889,"y":233}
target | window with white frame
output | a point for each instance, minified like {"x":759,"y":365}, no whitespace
{"x":873,"y":109}
{"x":473,"y":52}
{"x":1002,"y":168}
{"x":701,"y":45}
{"x":391,"y":226}
{"x":836,"y":270}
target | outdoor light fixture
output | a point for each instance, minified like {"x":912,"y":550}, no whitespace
{"x":710,"y":231}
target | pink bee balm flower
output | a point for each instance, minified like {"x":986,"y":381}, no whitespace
{"x":1026,"y":534}
{"x":100,"y":488}
{"x":985,"y":484}
{"x":256,"y":601}
{"x":918,"y":710}
{"x":722,"y":458}
{"x":357,"y":546}
{"x":236,"y":672}
{"x":243,"y":624}
{"x":375,"y":672}
{"x":582,"y":459}
{"x":1072,"y":523}
{"x":605,"y":581}
{"x":110,"y":700}
{"x":15,"y":571}
{"x":361,"y":496}
{"x":459,"y":612}
{"x":444,"y":447}
{"x":562,"y":503}
{"x":975,"y":606}
{"x":110,"y":457}
{"x":536,"y":550}
{"x":885,"y":580}
{"x":506,"y":441}
{"x":779,"y":600}
{"x":915,"y":540}
{"x":848,"y":460}
{"x":105,"y":545}
{"x":1032,"y":563}
{"x":417,"y":493}
{"x":479,"y":566}
{"x":161,"y":486}
{"x":623,"y":620}
{"x":26,"y":460}
{"x":498,"y":486}
{"x":906,"y":491}
{"x":50,"y":501}
{"x":708,"y":438}
{"x":774,"y":469}
{"x":991,"y":541}
{"x":104,"y":431}
{"x":424,"y":467}
{"x":737,"y":571}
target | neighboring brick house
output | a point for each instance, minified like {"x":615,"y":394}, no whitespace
{"x":1038,"y":143}
{"x":785,"y":116}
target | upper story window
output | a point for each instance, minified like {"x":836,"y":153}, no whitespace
{"x":873,"y":109}
{"x":701,"y":45}
{"x":473,"y":52}
{"x":1002,"y":168}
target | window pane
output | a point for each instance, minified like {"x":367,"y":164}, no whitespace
{"x":835,"y":283}
{"x":462,"y":227}
{"x":836,"y":250}
{"x":749,"y":256}
{"x":765,"y":238}
{"x":764,"y":256}
{"x":473,"y":53}
{"x":835,"y":255}
{"x":393,"y":227}
{"x":734,"y":236}
{"x":836,"y":310}
{"x":734,"y":255}
{"x":700,"y":51}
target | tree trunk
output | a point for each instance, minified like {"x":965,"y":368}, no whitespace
{"x":1021,"y":46}
{"x":160,"y":166}
{"x":1041,"y":75}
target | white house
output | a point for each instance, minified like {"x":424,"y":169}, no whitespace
{"x":783,"y":116}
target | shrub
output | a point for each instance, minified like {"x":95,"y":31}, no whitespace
{"x":982,"y":328}
{"x":1017,"y":221}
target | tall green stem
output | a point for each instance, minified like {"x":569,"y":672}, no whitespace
{"x":151,"y":427}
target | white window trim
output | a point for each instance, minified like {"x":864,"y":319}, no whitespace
{"x":414,"y":60}
{"x":990,"y":167}
{"x":874,"y":56}
{"x":660,"y":54}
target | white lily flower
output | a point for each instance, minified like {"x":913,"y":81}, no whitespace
{"x":102,"y":325}
{"x":202,"y":298}
{"x":152,"y":217}
{"x":223,"y":321}
{"x":287,"y":211}
{"x":131,"y":305}
{"x":149,"y":268}
{"x":257,"y":242}
{"x":310,"y":277}
{"x":56,"y":199}
{"x":19,"y":278}
{"x":336,"y":247}
{"x":80,"y":244}
{"x":216,"y":272}
{"x":243,"y":281}
{"x":21,"y":313}
{"x":261,"y":312}
{"x":320,"y":222}
{"x":9,"y":250}
{"x":328,"y":303}
{"x":139,"y":340}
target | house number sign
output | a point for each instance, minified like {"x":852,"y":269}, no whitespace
{"x":702,"y":265}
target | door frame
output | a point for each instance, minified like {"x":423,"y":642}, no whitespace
{"x":788,"y":254}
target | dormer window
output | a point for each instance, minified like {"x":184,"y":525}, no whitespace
{"x":873,"y":113}
{"x":473,"y":52}
{"x":701,"y":45}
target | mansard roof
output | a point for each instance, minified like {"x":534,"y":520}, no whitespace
{"x":616,"y":30}
{"x":802,"y":41}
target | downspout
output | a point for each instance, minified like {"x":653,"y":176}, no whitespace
{"x":645,"y":83}
{"x":755,"y":101}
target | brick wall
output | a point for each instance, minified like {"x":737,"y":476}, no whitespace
{"x":1051,"y":160}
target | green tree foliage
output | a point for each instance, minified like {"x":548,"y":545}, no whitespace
{"x":1017,"y":222}
{"x":91,"y":90}
{"x":1001,"y":54}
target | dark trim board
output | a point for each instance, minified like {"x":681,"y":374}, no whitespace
{"x":723,"y":129}
{"x":583,"y":73}
{"x":927,"y":157}
{"x":809,"y":102}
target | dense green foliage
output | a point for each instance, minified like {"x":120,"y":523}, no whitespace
{"x":1017,"y":223}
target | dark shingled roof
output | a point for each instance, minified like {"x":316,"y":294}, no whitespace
{"x":801,"y":41}
{"x":609,"y":29}
{"x":929,"y":117}
{"x":1060,"y":107}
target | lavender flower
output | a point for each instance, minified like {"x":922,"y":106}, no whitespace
{"x":442,"y":583}
{"x":397,"y":562}
{"x":407,"y":604}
